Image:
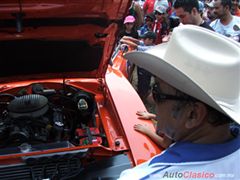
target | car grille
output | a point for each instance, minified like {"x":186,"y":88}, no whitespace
{"x":65,"y":169}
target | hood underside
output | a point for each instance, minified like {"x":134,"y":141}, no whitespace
{"x":70,"y":37}
{"x":108,"y":9}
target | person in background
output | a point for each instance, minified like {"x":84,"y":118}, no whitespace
{"x":174,"y":21}
{"x":148,"y":26}
{"x":144,"y":77}
{"x":162,"y":3}
{"x":226,"y":24}
{"x":161,"y":26}
{"x":189,"y":13}
{"x":201,"y":7}
{"x":235,"y":7}
{"x":129,"y":28}
{"x":194,"y":105}
{"x":148,"y":6}
{"x":136,"y":11}
{"x":210,"y":16}
{"x":147,"y":41}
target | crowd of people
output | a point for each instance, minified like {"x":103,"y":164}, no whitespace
{"x":162,"y":16}
{"x":193,"y":112}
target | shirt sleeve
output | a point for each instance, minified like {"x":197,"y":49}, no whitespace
{"x":143,"y":47}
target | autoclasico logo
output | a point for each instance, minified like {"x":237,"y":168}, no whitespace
{"x":189,"y":174}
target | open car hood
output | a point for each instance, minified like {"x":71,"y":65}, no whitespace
{"x":58,"y":38}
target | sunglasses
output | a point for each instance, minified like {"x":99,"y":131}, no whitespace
{"x":158,"y":13}
{"x":148,"y":19}
{"x":161,"y":97}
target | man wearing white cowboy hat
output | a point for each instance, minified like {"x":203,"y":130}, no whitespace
{"x":197,"y":96}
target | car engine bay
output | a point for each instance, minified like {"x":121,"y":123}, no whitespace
{"x":55,"y":130}
{"x":47,"y":115}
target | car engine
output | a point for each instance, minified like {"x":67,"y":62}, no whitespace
{"x":45,"y":115}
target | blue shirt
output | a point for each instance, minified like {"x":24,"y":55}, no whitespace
{"x":184,"y":160}
{"x":143,"y":47}
{"x":143,"y":30}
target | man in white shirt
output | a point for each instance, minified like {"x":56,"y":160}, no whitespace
{"x":226,"y":24}
{"x":196,"y":93}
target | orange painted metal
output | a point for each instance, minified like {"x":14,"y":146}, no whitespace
{"x":125,"y":99}
{"x":117,"y":111}
{"x":117,"y":102}
{"x":65,"y":8}
{"x":119,"y":62}
{"x":140,"y":146}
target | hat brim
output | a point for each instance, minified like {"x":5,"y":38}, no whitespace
{"x":125,"y":22}
{"x":153,"y":61}
{"x":159,"y":11}
{"x":210,"y":5}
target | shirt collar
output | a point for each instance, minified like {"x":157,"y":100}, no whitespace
{"x":182,"y":152}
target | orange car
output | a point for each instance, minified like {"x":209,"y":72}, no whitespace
{"x":65,"y":113}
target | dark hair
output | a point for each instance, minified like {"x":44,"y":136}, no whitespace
{"x":215,"y":118}
{"x":225,"y":3}
{"x":173,"y":22}
{"x":150,"y":16}
{"x":150,"y":35}
{"x":187,"y":5}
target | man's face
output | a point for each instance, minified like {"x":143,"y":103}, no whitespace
{"x":219,"y":10}
{"x":172,"y":125}
{"x":235,"y":3}
{"x":185,"y":17}
{"x":129,"y":26}
{"x":159,"y":16}
{"x":149,"y":22}
{"x":148,"y":41}
{"x":210,"y":13}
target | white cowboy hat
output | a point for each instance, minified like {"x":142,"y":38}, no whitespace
{"x":198,"y":62}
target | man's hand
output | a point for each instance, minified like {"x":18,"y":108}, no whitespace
{"x":142,"y":128}
{"x":129,"y":43}
{"x":145,"y":115}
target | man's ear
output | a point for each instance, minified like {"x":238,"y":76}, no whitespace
{"x":196,"y":115}
{"x":227,"y":8}
{"x":194,"y":11}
